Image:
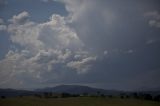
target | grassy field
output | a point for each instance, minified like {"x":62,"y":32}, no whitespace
{"x":75,"y":101}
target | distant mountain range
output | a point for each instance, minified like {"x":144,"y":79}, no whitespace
{"x":78,"y":89}
{"x":72,"y":89}
{"x":14,"y":92}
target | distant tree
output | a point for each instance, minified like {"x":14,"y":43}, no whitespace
{"x":3,"y":97}
{"x":38,"y":95}
{"x":102,"y":95}
{"x":127,"y":96}
{"x":157,"y":98}
{"x":50,"y":94}
{"x":135,"y":95}
{"x":122,"y":97}
{"x":98,"y":93}
{"x":20,"y":96}
{"x":54,"y":96}
{"x":65,"y":95}
{"x":85,"y":94}
{"x":75,"y":95}
{"x":110,"y":96}
{"x":46,"y":94}
{"x":147,"y":97}
{"x":142,"y":96}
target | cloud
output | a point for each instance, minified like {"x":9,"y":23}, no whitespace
{"x":154,"y":23}
{"x":105,"y":52}
{"x":45,"y":1}
{"x":25,"y":35}
{"x":104,"y":25}
{"x":3,"y":27}
{"x":10,"y":67}
{"x":45,"y":49}
{"x":40,"y":36}
{"x":1,"y":21}
{"x":154,"y":18}
{"x":79,"y":10}
{"x":130,"y":51}
{"x":101,"y":22}
{"x":20,"y":18}
{"x":82,"y":65}
{"x":70,"y":48}
{"x":154,"y":14}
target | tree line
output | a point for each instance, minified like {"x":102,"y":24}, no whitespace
{"x":135,"y":95}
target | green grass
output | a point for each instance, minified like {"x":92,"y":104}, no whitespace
{"x":77,"y":101}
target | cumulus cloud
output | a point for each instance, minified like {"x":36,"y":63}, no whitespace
{"x":154,"y":18}
{"x":3,"y":27}
{"x":1,"y":21}
{"x":10,"y":67}
{"x":45,"y":1}
{"x":82,"y":65}
{"x":44,"y":47}
{"x":105,"y":52}
{"x":41,"y":36}
{"x":20,"y":18}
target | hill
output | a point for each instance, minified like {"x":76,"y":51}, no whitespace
{"x":71,"y":89}
{"x":78,"y":89}
{"x":14,"y":92}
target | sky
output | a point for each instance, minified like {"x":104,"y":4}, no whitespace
{"x":110,"y":44}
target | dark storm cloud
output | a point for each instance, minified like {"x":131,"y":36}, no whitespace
{"x":122,"y":29}
{"x":112,"y":24}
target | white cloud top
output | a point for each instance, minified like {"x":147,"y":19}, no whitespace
{"x":20,"y":18}
{"x":44,"y":46}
